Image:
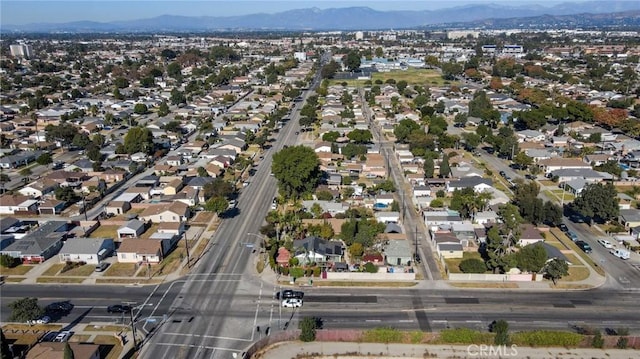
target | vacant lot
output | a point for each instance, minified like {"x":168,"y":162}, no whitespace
{"x":412,"y":76}
{"x":105,"y":232}
{"x":453,"y":264}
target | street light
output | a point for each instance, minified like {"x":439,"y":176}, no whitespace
{"x":261,"y":236}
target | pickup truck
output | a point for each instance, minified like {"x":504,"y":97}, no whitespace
{"x":621,"y":253}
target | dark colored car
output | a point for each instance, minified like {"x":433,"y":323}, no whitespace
{"x":530,"y":177}
{"x":584,"y":246}
{"x":503,"y":174}
{"x":563,"y":227}
{"x":118,"y":308}
{"x":59,"y":307}
{"x":288,"y":293}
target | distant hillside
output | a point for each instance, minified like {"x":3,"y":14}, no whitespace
{"x":626,"y":20}
{"x":353,"y":18}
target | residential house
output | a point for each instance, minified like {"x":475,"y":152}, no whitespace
{"x":387,"y":217}
{"x":323,"y":146}
{"x":422,"y":191}
{"x":39,"y":188}
{"x":283,"y":257}
{"x":15,"y":203}
{"x":587,"y":174}
{"x":168,"y":241}
{"x":117,"y":207}
{"x":554,"y":164}
{"x":375,"y":258}
{"x":435,"y":218}
{"x":166,"y":212}
{"x":56,"y":350}
{"x":485,"y":217}
{"x":529,"y":235}
{"x":629,"y":218}
{"x":173,"y":187}
{"x":88,"y":250}
{"x":624,"y":201}
{"x":464,"y":231}
{"x":398,"y":253}
{"x":530,"y":136}
{"x":332,"y":208}
{"x":51,"y":207}
{"x":478,"y":184}
{"x":447,"y":244}
{"x":385,"y":199}
{"x":177,"y":228}
{"x":134,"y":250}
{"x":132,"y":229}
{"x":318,"y":250}
{"x":39,"y":245}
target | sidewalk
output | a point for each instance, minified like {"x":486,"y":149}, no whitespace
{"x":348,"y":350}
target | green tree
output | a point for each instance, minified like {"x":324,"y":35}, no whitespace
{"x":531,"y":258}
{"x":217,"y":188}
{"x":501,"y":329}
{"x":163,"y":109}
{"x":140,"y":109}
{"x":44,"y":159}
{"x":370,"y":268}
{"x":556,"y":269}
{"x":360,"y":136}
{"x":429,"y":168}
{"x":25,"y":309}
{"x":522,"y":160}
{"x":297,"y":169}
{"x":308,"y":326}
{"x":598,"y":201}
{"x":401,"y":85}
{"x":64,"y":132}
{"x":202,"y":172}
{"x":65,"y":194}
{"x":67,"y":353}
{"x":8,"y":261}
{"x":331,"y":136}
{"x":445,"y":170}
{"x":138,"y":139}
{"x":121,"y":82}
{"x":356,"y":250}
{"x":352,"y":61}
{"x":472,"y":265}
{"x":598,"y":340}
{"x":404,"y":128}
{"x":216,"y":204}
{"x":174,"y":70}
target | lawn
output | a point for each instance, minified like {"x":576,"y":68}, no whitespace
{"x":350,"y":83}
{"x":572,"y":258}
{"x":59,"y":280}
{"x":453,"y":264}
{"x":126,"y":281}
{"x":54,"y":269}
{"x":483,"y":285}
{"x":14,"y":279}
{"x":548,"y":183}
{"x":121,"y":270}
{"x":576,"y":274}
{"x":556,"y":244}
{"x":172,"y":262}
{"x":105,"y":232}
{"x":412,"y":76}
{"x":81,"y":271}
{"x":334,"y":283}
{"x":17,"y":270}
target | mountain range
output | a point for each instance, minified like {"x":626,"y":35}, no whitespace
{"x":354,"y":18}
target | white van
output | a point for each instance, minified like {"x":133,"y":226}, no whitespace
{"x":621,"y":253}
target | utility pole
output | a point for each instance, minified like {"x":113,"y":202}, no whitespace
{"x":186,"y":245}
{"x":133,"y":327}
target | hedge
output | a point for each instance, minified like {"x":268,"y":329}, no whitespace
{"x":383,"y":335}
{"x":465,"y":336}
{"x":546,"y":338}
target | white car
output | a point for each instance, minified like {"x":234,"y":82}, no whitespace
{"x":292,"y":303}
{"x":605,"y":243}
{"x":42,"y":320}
{"x":63,"y":336}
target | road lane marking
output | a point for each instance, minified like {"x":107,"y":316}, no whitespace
{"x":198,"y":346}
{"x":208,"y":336}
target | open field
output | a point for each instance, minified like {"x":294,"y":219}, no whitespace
{"x":412,"y":76}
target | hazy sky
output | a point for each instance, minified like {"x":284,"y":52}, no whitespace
{"x":18,"y":12}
